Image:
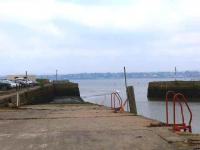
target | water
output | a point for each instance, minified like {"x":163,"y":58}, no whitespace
{"x":94,"y":91}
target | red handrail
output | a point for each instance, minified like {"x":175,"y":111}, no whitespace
{"x":120,"y":107}
{"x":177,"y":97}
{"x":169,"y":93}
{"x":114,"y":96}
{"x":177,"y":127}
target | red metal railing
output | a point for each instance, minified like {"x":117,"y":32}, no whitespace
{"x":115,"y":96}
{"x":177,"y":97}
{"x":183,"y":126}
{"x":168,"y":94}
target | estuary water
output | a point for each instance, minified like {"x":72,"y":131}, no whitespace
{"x":98,"y":91}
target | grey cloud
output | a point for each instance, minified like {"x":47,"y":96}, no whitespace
{"x":84,"y":49}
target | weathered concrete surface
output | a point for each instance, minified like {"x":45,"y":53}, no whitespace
{"x":81,"y":127}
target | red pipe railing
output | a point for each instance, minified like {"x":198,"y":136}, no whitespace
{"x":120,"y":107}
{"x":115,"y":96}
{"x":183,"y":126}
{"x":177,"y":97}
{"x":169,"y":93}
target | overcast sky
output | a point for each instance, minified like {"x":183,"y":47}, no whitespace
{"x":76,"y":36}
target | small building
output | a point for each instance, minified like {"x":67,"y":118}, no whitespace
{"x":23,"y":77}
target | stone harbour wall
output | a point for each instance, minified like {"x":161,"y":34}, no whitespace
{"x":158,"y":89}
{"x":41,"y":94}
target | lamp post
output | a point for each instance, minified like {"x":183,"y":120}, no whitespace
{"x":175,"y":72}
{"x":56,"y":74}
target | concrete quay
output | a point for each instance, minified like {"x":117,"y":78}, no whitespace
{"x":85,"y":127}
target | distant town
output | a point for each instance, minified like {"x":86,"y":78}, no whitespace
{"x":82,"y":76}
{"x":119,"y":75}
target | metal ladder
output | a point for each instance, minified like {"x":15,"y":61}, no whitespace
{"x":115,"y":96}
{"x":177,"y":97}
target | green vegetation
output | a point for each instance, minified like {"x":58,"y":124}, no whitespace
{"x":42,"y":82}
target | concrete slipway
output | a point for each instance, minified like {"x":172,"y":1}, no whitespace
{"x":84,"y":127}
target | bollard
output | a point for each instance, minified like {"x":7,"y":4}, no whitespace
{"x":131,"y":99}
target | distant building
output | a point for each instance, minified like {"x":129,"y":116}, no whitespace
{"x":14,"y":77}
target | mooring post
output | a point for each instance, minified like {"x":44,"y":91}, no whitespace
{"x":131,"y":99}
{"x":18,"y":99}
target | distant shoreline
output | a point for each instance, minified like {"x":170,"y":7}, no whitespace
{"x":120,"y":75}
{"x":82,"y":76}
